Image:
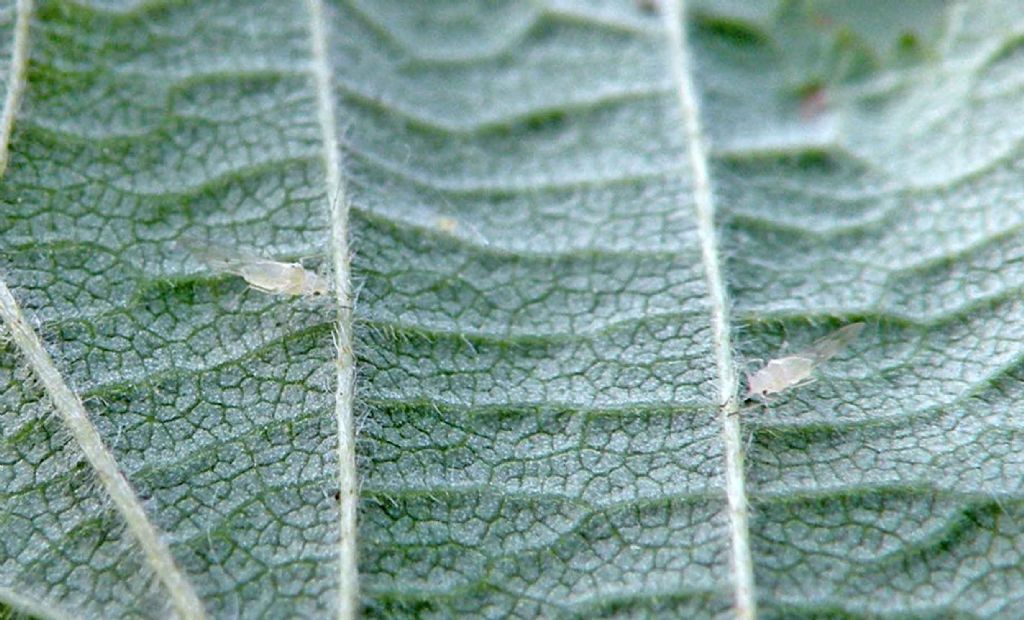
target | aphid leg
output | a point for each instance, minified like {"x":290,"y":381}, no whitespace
{"x":750,"y":440}
{"x":762,"y":402}
{"x":235,"y":299}
{"x":807,"y":381}
{"x":754,"y":401}
{"x":233,"y":302}
{"x":262,"y":289}
{"x":758,"y":400}
{"x":308,"y":257}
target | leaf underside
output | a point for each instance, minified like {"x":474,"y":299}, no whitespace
{"x":536,"y":385}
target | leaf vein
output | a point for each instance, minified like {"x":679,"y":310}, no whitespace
{"x":742,"y":563}
{"x":348,"y":570}
{"x":70,"y":408}
{"x":16,"y":80}
{"x":43,"y":610}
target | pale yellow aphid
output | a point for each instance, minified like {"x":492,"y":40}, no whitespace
{"x":790,"y":371}
{"x":263,"y":274}
{"x":447,"y":224}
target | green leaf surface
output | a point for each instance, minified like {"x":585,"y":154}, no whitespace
{"x":537,"y":385}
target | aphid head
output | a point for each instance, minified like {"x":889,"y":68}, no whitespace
{"x":757,"y":386}
{"x":314,"y":284}
{"x":319,"y":286}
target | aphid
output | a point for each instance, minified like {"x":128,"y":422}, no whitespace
{"x":447,"y":224}
{"x":649,"y":6}
{"x":785,"y":373}
{"x":263,"y":274}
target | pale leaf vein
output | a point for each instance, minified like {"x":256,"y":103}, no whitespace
{"x":348,"y":498}
{"x":15,"y":79}
{"x":71,"y":410}
{"x":742,"y":563}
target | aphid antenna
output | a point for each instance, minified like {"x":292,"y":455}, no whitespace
{"x":750,"y":440}
{"x":476,"y":233}
{"x":233,"y":302}
{"x":804,"y":383}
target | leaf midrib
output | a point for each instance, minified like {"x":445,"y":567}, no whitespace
{"x":728,"y":385}
{"x":338,"y":205}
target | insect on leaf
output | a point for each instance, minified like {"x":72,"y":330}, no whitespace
{"x":783,"y":373}
{"x":263,"y":274}
{"x":826,"y":348}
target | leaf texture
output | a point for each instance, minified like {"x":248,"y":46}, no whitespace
{"x":890,"y":488}
{"x":537,"y":392}
{"x":541,"y":436}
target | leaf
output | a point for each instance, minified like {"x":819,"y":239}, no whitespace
{"x":539,"y":336}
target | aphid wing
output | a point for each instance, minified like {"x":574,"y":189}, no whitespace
{"x":826,"y":348}
{"x":792,"y":370}
{"x":216,"y":257}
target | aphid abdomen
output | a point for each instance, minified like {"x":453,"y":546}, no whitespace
{"x":269,"y":276}
{"x":788,"y":371}
{"x":780,"y":374}
{"x":274,"y":277}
